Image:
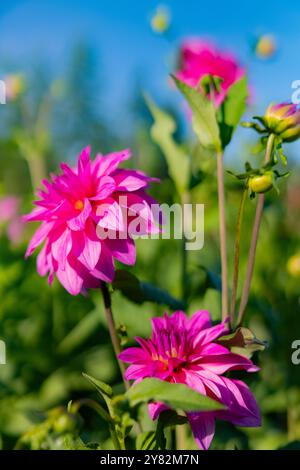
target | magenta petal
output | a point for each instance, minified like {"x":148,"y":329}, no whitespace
{"x":105,"y":187}
{"x":87,"y":246}
{"x":104,"y":269}
{"x":106,"y":164}
{"x":61,"y":246}
{"x":78,"y":222}
{"x":84,"y":162}
{"x":195,"y":381}
{"x":131,"y":180}
{"x":210,"y":334}
{"x":110,"y":217}
{"x":199,"y":320}
{"x":133,"y":355}
{"x":42,"y":262}
{"x":155,"y":409}
{"x":203,"y":428}
{"x":70,"y":279}
{"x":39,"y":237}
{"x":123,"y":250}
{"x":136,"y":371}
{"x":37,"y":214}
{"x":243,"y":409}
{"x":224,"y":362}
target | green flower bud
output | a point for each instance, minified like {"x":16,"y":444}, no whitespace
{"x":65,"y":423}
{"x":261,"y":183}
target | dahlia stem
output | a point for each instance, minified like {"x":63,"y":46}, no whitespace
{"x":185,"y":199}
{"x":237,"y":256}
{"x":112,"y":329}
{"x":254,"y":239}
{"x":222,"y":228}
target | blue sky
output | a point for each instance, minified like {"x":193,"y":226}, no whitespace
{"x":119,"y":30}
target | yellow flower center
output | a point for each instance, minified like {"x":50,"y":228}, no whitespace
{"x":79,"y":205}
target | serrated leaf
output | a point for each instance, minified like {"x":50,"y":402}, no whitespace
{"x":204,"y":118}
{"x":174,"y":395}
{"x":139,"y":292}
{"x":178,"y":161}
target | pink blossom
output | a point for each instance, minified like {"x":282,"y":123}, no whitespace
{"x":9,"y":214}
{"x":184,"y":350}
{"x":72,"y":209}
{"x":199,"y":59}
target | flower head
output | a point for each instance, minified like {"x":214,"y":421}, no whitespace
{"x":184,"y":350}
{"x":88,"y":216}
{"x":199,"y":61}
{"x":283,"y":119}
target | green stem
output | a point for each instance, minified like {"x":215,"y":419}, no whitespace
{"x":222,"y":228}
{"x":237,"y":256}
{"x":254,"y":239}
{"x":112,"y":329}
{"x":185,"y":199}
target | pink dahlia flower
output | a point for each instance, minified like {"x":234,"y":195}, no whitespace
{"x":88,"y":216}
{"x":10,"y":216}
{"x":184,"y":350}
{"x":199,"y":59}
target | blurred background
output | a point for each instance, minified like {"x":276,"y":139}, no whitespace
{"x":75,"y":74}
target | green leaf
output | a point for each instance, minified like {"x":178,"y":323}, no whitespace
{"x":147,"y":441}
{"x":74,"y":443}
{"x":232,"y":110}
{"x":177,"y":396}
{"x":204,"y":118}
{"x":104,"y":389}
{"x":178,"y":161}
{"x":139,"y":292}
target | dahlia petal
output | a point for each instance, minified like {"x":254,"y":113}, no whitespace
{"x":155,"y":409}
{"x":131,"y":180}
{"x":134,"y":355}
{"x":192,"y":379}
{"x":37,"y":214}
{"x":243,"y":409}
{"x":212,"y":349}
{"x":78,"y":222}
{"x":105,"y":187}
{"x":210,"y":334}
{"x":110,"y":216}
{"x":225,"y":362}
{"x":42,"y":262}
{"x":38,"y":238}
{"x":104,"y":269}
{"x":123,"y":250}
{"x":106,"y":164}
{"x":84,"y":162}
{"x":200,"y":320}
{"x":203,"y":428}
{"x":61,"y":246}
{"x":86,"y":246}
{"x":135,"y":372}
{"x":69,"y":278}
